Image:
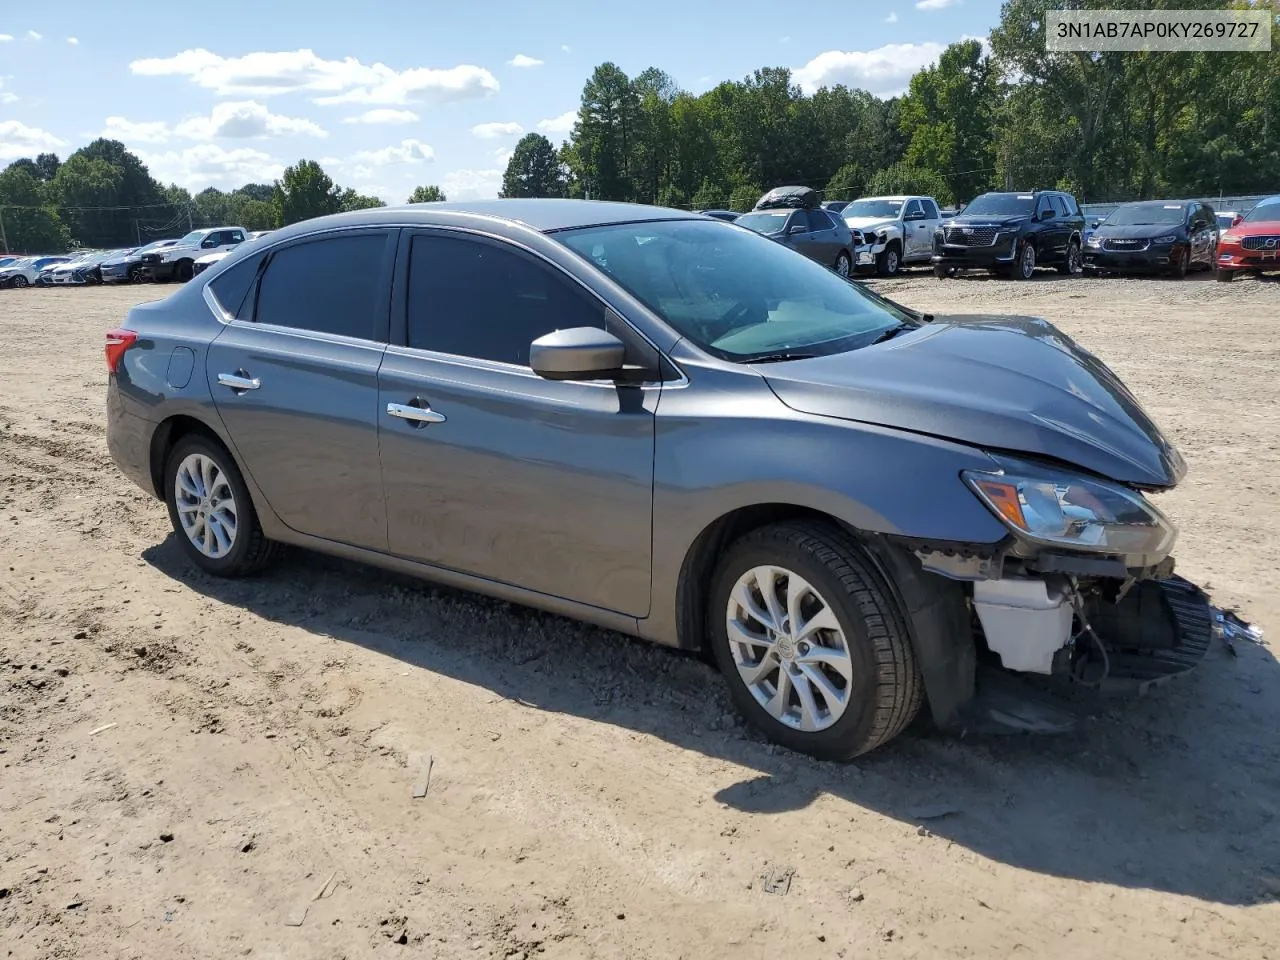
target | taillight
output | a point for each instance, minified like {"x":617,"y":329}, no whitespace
{"x":118,"y":341}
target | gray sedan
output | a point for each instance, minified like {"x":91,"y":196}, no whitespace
{"x":675,"y":428}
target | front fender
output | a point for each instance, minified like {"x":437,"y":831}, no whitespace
{"x":713,"y":458}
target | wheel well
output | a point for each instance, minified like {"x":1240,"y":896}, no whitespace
{"x":894,"y":242}
{"x":166,"y":438}
{"x":700,"y":562}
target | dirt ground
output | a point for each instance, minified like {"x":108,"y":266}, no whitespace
{"x":196,"y":768}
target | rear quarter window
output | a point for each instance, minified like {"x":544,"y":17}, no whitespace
{"x":231,"y":287}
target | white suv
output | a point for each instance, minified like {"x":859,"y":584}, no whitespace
{"x":177,"y":262}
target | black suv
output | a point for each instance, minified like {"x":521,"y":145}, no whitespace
{"x":1012,"y":234}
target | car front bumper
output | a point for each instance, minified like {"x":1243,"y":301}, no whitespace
{"x":1151,"y":259}
{"x":1240,"y":259}
{"x":1002,"y":253}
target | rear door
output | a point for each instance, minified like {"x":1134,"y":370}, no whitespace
{"x":536,"y":483}
{"x":295,"y":379}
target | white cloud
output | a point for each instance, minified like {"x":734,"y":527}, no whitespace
{"x":406,"y":151}
{"x":561,"y":124}
{"x":520,"y":60}
{"x":491,"y":131}
{"x":341,"y":81}
{"x":384,"y":115}
{"x":985,"y":41}
{"x":886,"y":70}
{"x":19,"y":140}
{"x":135,"y":131}
{"x":784,"y":39}
{"x":6,"y":37}
{"x":891,"y":18}
{"x":564,"y":47}
{"x":74,"y":41}
{"x":32,"y":35}
{"x":208,"y":164}
{"x":471,"y":184}
{"x":935,"y":4}
{"x":502,"y":155}
{"x":7,"y":97}
{"x":239,"y":120}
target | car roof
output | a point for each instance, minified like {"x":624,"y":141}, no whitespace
{"x":545,"y":215}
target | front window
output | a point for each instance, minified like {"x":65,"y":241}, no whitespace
{"x":768,"y":221}
{"x":1147,"y":214}
{"x":886,"y":209}
{"x":1265,"y":212}
{"x":736,"y":295}
{"x":191,"y":238}
{"x":1001,"y":205}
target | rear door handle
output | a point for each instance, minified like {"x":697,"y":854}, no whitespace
{"x":237,"y":382}
{"x":422,"y":414}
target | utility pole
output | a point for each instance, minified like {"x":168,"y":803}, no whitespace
{"x":3,"y":238}
{"x":137,"y":231}
{"x":189,"y":227}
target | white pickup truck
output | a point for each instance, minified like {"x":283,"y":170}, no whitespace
{"x":892,"y":231}
{"x":178,"y":261}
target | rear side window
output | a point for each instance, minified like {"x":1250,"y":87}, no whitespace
{"x":1060,"y":206}
{"x":475,"y":299}
{"x":231,"y":287}
{"x":1069,"y":204}
{"x":930,"y":209}
{"x":819,"y":220}
{"x":331,"y":285}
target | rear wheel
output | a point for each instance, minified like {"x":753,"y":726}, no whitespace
{"x":137,"y":274}
{"x":811,"y":642}
{"x":843,"y":264}
{"x":210,"y":509}
{"x":1074,"y":262}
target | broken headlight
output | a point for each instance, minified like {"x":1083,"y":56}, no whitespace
{"x":1049,"y":506}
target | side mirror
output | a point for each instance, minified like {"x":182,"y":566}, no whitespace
{"x":1093,"y":224}
{"x":1046,"y":214}
{"x":207,"y":242}
{"x":579,"y":353}
{"x":1235,"y":221}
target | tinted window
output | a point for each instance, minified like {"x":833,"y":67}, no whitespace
{"x":1147,"y":213}
{"x":233,"y":236}
{"x":476,"y":299}
{"x":332,"y":285}
{"x":930,"y":210}
{"x":231,"y":286}
{"x":914,"y":207}
{"x":1042,"y":206}
{"x":818,"y":220}
{"x":1001,"y":205}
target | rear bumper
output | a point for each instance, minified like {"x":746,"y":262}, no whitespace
{"x":129,"y":439}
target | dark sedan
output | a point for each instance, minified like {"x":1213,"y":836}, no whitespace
{"x":127,"y":266}
{"x":670,"y":426}
{"x":1154,"y":236}
{"x":816,"y":233}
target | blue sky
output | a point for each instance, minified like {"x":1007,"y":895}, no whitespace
{"x":392,"y":94}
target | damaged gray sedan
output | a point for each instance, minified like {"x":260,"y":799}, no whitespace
{"x":672,"y":427}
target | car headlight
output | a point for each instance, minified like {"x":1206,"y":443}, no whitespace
{"x":1092,"y":242}
{"x":1168,"y":239}
{"x":1055,"y":507}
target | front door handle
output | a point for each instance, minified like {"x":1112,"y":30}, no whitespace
{"x":237,"y":382}
{"x":421,"y":414}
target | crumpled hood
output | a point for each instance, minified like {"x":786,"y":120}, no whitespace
{"x":1015,"y":384}
{"x":869,"y":223}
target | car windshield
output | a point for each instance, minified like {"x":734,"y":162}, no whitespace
{"x":1146,"y":214}
{"x":19,"y":264}
{"x":155,"y":245}
{"x":872,"y":208}
{"x":767,"y":221}
{"x":1002,"y":205}
{"x":736,"y":295}
{"x":1265,"y":212}
{"x":192,"y":237}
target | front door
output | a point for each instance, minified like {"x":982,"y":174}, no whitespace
{"x":295,"y":381}
{"x":493,"y":471}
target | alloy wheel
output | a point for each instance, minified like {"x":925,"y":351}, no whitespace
{"x":1027,"y":262}
{"x":20,"y":281}
{"x":206,"y":505}
{"x":789,"y":648}
{"x":842,"y":265}
{"x":1074,"y":259}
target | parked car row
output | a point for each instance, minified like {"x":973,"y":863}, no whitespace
{"x":1014,"y":233}
{"x":161,"y":261}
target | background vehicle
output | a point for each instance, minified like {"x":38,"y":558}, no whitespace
{"x":837,"y":585}
{"x":896,"y":230}
{"x":1253,"y":243}
{"x":87,"y":269}
{"x":1172,"y":236}
{"x":127,"y":266}
{"x":1011,"y":234}
{"x":835,"y":206}
{"x":1227,"y":219}
{"x":728,"y":215}
{"x":819,"y":235}
{"x":177,"y":262}
{"x":23,"y":273}
{"x":209,"y":259}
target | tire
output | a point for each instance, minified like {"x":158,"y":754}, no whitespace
{"x":20,"y":281}
{"x":136,"y":275}
{"x":888,"y":261}
{"x":248,"y":549}
{"x":1074,"y":263}
{"x":183,"y":271}
{"x":883,"y":690}
{"x":1025,"y":268}
{"x":843,"y":265}
{"x":1224,"y":276}
{"x":1178,"y":271}
{"x":941,"y":272}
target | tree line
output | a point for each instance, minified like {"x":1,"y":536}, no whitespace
{"x":1006,"y":115}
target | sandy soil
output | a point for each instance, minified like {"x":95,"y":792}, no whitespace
{"x":194,"y":768}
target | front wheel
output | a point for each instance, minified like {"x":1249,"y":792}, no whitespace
{"x":1074,"y":262}
{"x":137,"y":275}
{"x":20,"y":281}
{"x":942,"y":272}
{"x":210,"y":509}
{"x":1025,"y":268}
{"x":843,"y":264}
{"x":183,"y":271}
{"x":811,"y":642}
{"x":1181,"y":264}
{"x":888,"y":261}
{"x":1225,"y":276}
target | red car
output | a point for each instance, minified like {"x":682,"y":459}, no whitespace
{"x":1252,"y":243}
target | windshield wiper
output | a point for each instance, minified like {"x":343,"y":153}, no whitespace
{"x":777,"y":357}
{"x":892,"y":332}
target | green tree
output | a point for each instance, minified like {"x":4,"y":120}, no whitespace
{"x":428,"y":194}
{"x":48,"y":163}
{"x":901,"y":177}
{"x":349,"y":199}
{"x":257,"y":215}
{"x":846,"y":183}
{"x":303,"y":192}
{"x":533,"y":169}
{"x":31,"y":224}
{"x":605,"y":133}
{"x":89,"y":192}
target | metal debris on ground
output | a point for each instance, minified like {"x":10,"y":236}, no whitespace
{"x":1230,"y":628}
{"x":297,"y":916}
{"x":778,"y":880}
{"x":102,"y":729}
{"x":420,"y":788}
